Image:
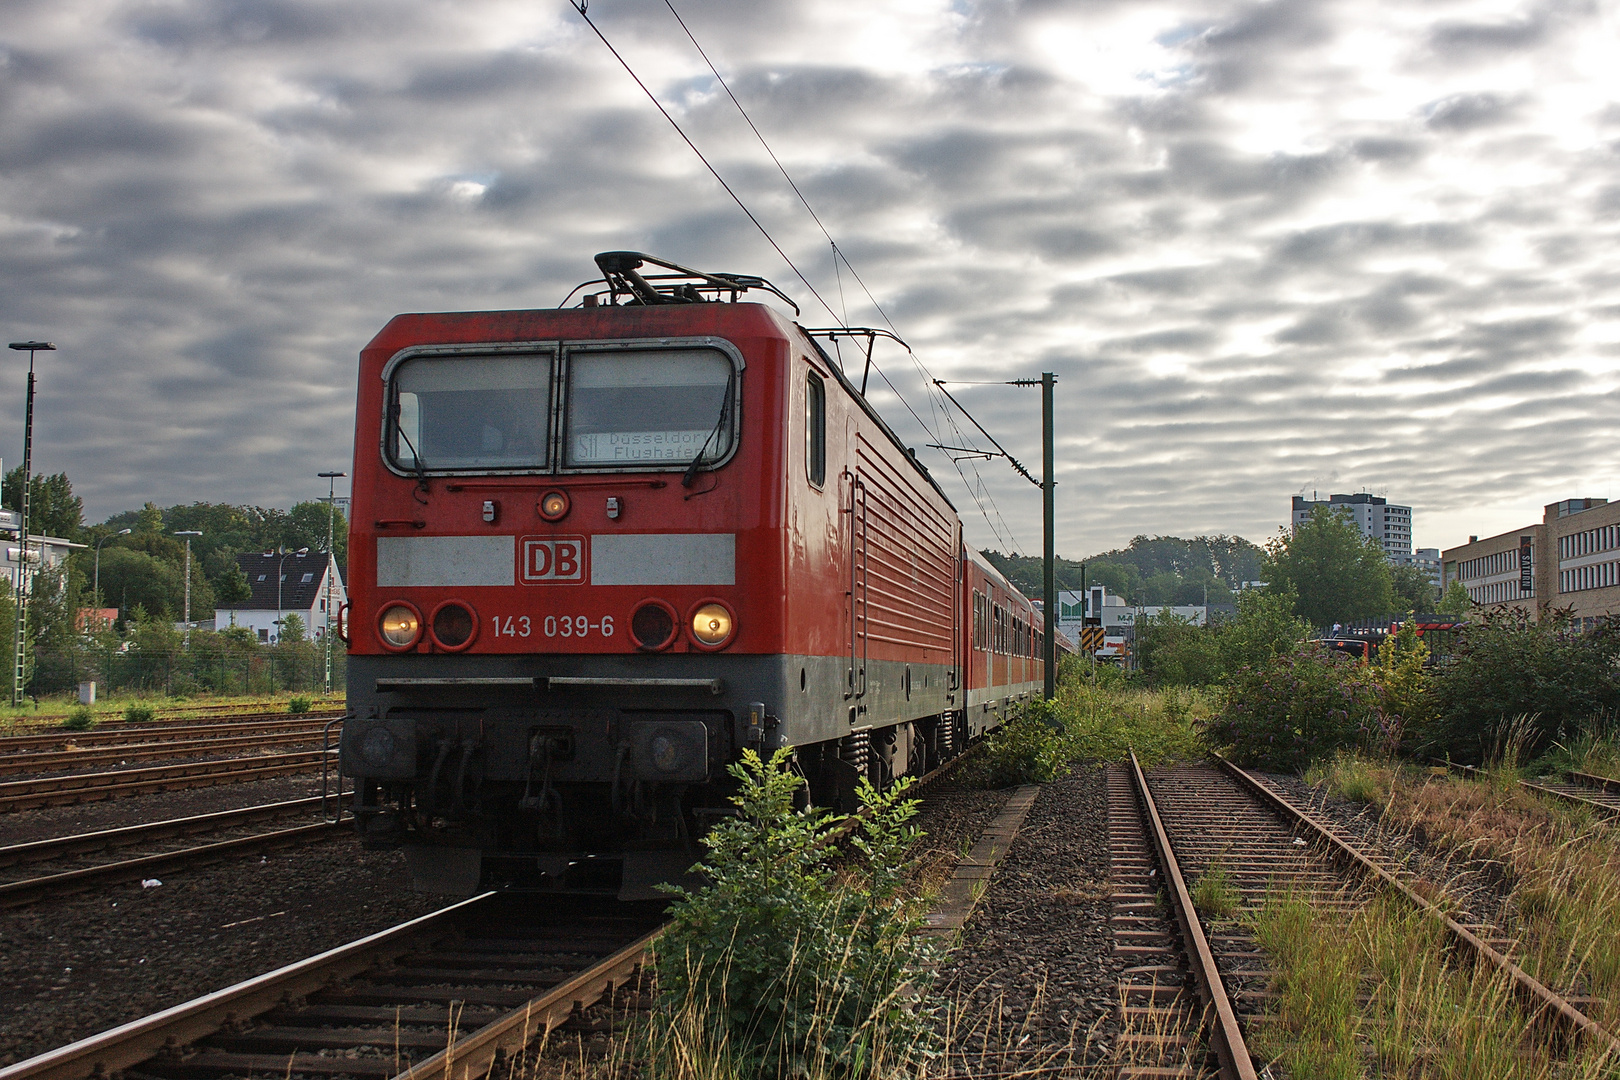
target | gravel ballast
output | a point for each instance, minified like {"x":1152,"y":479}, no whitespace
{"x":1032,"y":983}
{"x":77,"y":966}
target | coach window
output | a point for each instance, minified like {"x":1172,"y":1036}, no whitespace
{"x":815,"y":429}
{"x":649,"y":406}
{"x":470,"y":412}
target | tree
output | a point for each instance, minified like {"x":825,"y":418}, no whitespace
{"x":1414,"y":590}
{"x":1336,"y":573}
{"x":131,"y":579}
{"x":306,"y":527}
{"x":1174,"y":652}
{"x":53,"y":509}
{"x":292,"y":628}
{"x":1456,"y":601}
{"x":1265,"y":627}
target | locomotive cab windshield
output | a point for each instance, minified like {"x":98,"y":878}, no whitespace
{"x":629,"y":405}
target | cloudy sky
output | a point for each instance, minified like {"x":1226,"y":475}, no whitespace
{"x":1267,"y":247}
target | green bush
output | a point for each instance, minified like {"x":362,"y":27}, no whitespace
{"x":300,"y":705}
{"x":773,"y":968}
{"x":1509,"y":665}
{"x":137,"y":712}
{"x":1030,"y":749}
{"x":1295,"y":708}
{"x":1175,"y":652}
{"x":79,"y":718}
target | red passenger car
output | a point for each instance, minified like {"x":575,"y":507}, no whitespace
{"x":598,"y":551}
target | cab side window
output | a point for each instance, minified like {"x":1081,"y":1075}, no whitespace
{"x":815,"y":429}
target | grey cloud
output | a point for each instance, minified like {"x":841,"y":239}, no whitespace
{"x":1467,"y":112}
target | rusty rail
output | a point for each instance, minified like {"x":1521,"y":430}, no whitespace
{"x":1226,"y":1037}
{"x":1542,"y":1001}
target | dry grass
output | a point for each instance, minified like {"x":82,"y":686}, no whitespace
{"x":1373,"y":995}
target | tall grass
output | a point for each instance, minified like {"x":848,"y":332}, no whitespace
{"x":1106,"y":721}
{"x":1372,"y":994}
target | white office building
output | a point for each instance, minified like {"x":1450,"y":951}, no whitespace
{"x":1377,"y":518}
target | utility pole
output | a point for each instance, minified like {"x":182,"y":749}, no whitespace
{"x":20,"y":659}
{"x":331,"y":569}
{"x":1048,"y":482}
{"x":188,"y":534}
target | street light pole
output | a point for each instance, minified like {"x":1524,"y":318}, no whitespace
{"x":96,"y":589}
{"x":20,"y":640}
{"x":331,"y":569}
{"x":280,"y":579}
{"x":188,"y":534}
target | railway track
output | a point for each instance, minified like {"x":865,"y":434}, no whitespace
{"x":1598,"y":793}
{"x":448,"y":995}
{"x":1188,"y":992}
{"x":60,"y":760}
{"x":94,"y":787}
{"x":192,"y":714}
{"x":156,"y":732}
{"x":444,"y":995}
{"x":64,"y":881}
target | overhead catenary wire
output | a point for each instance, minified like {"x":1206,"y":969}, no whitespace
{"x":930,"y":385}
{"x":580,"y":6}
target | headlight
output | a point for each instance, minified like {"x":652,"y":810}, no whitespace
{"x":553,"y":505}
{"x":400,"y":626}
{"x":453,"y":626}
{"x":711,"y":624}
{"x":653,"y":625}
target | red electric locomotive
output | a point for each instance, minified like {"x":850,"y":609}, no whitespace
{"x":596,"y":552}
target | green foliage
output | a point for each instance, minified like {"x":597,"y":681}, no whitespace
{"x":79,"y":718}
{"x":1336,"y":573}
{"x":1265,"y":627}
{"x":1455,"y":602}
{"x":292,"y":628}
{"x":1413,"y":590}
{"x":1215,"y":893}
{"x":53,"y":509}
{"x":1151,"y":570}
{"x":780,"y":967}
{"x":138,"y":712}
{"x":131,"y":579}
{"x":1508,"y":665}
{"x":1282,"y":714}
{"x":1031,"y":749}
{"x":1175,"y":652}
{"x":300,"y":705}
{"x":1107,"y":721}
{"x":1403,"y":680}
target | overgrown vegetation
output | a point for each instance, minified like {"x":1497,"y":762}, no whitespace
{"x":79,"y":719}
{"x":300,"y":705}
{"x":778,"y":966}
{"x":1373,"y":994}
{"x":138,"y":712}
{"x":1215,"y":893}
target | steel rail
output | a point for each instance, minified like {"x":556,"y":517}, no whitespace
{"x":56,"y":761}
{"x":93,"y":787}
{"x":1226,"y":1037}
{"x":1542,"y":1001}
{"x":1603,"y":783}
{"x":58,"y":847}
{"x":32,"y":890}
{"x":475,"y":1054}
{"x":134,"y":1042}
{"x":156,"y":732}
{"x":1573,"y":798}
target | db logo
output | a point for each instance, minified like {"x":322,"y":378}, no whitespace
{"x":553,"y":560}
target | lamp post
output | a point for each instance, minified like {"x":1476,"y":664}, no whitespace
{"x":331,"y":568}
{"x":188,"y":534}
{"x":280,"y":579}
{"x":96,"y":589}
{"x":20,"y":640}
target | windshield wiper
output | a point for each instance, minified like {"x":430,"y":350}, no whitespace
{"x":697,"y":460}
{"x":416,"y":458}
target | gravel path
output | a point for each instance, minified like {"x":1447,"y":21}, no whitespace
{"x":1033,"y":982}
{"x":81,"y":965}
